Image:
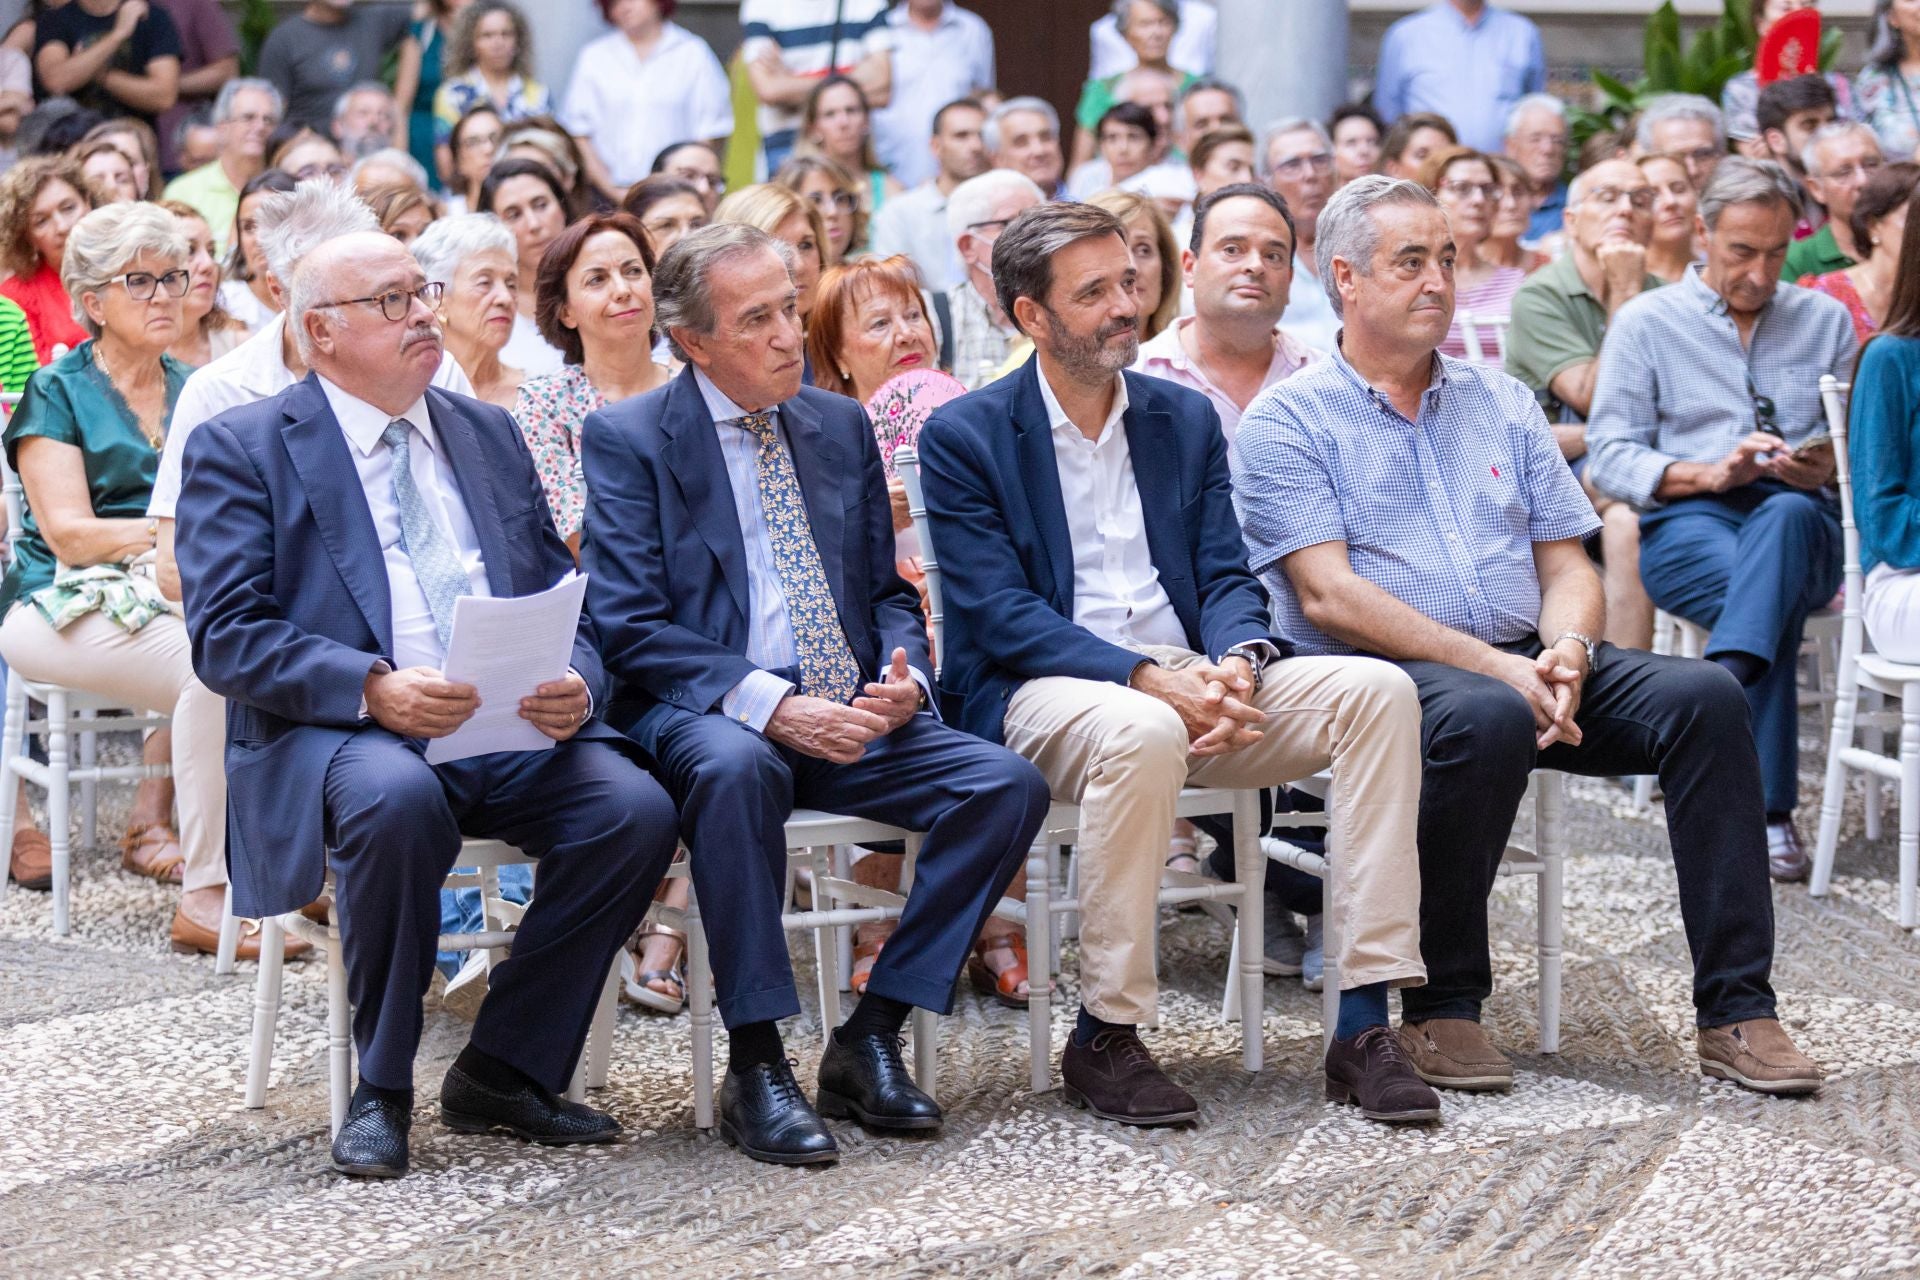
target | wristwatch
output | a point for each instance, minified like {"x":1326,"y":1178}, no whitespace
{"x":1587,"y":643}
{"x":1256,"y":658}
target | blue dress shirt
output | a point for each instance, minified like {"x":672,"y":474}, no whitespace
{"x":1470,"y":72}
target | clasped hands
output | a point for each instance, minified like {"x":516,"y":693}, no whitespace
{"x":419,"y":702}
{"x":840,"y":732}
{"x":1211,"y":700}
{"x":1551,"y":684}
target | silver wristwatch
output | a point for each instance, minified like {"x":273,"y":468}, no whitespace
{"x":1256,"y":658}
{"x":1587,"y":643}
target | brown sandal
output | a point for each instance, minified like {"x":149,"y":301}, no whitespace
{"x":1005,"y":985}
{"x":152,"y":849}
{"x":865,"y":954}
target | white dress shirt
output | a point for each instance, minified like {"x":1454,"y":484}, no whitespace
{"x":416,"y":641}
{"x":1116,"y":587}
{"x":930,"y":69}
{"x":631,"y":108}
{"x":251,"y":372}
{"x":1194,"y":46}
{"x":915,"y":223}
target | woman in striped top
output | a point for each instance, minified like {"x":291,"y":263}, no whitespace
{"x":1469,"y":190}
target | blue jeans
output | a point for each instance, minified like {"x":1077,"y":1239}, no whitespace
{"x":1750,"y":566}
{"x":460,"y":909}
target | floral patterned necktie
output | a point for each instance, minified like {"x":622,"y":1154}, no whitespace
{"x":827,"y":666}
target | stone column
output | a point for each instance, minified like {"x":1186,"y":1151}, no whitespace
{"x":1288,"y":56}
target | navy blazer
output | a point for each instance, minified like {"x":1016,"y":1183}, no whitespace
{"x":288,"y":607}
{"x":1000,"y":531}
{"x":666,"y":562}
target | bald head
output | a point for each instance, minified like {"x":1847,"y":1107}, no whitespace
{"x":342,"y":307}
{"x":1611,"y":201}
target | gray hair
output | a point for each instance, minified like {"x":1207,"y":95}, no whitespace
{"x":1123,"y":87}
{"x":1347,"y":229}
{"x":1207,"y":84}
{"x":1739,"y":180}
{"x":1291,"y":124}
{"x":102,"y":244}
{"x":1678,"y":106}
{"x":1829,"y":132}
{"x":1122,"y":11}
{"x":441,"y":247}
{"x":1535,"y":102}
{"x":975,"y":199}
{"x":391,"y":157}
{"x":223,"y":105}
{"x":364,"y":86}
{"x":990,"y":131}
{"x":681,"y":297}
{"x":295,"y":223}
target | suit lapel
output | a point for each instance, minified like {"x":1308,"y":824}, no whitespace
{"x":692,"y":454}
{"x":468,"y":462}
{"x":320,"y":453}
{"x":1040,"y":471}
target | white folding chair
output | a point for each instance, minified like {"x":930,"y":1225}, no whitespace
{"x":1863,"y":672}
{"x":488,"y":856}
{"x":1485,"y":336}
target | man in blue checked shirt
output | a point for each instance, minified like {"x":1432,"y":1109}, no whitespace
{"x":1400,"y":503}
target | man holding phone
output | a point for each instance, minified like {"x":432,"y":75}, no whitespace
{"x":1700,"y":387}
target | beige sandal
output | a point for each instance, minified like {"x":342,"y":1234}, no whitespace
{"x":152,"y":849}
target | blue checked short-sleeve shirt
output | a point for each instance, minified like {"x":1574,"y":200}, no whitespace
{"x":1442,"y":512}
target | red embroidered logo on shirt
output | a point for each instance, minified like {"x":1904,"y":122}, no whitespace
{"x":1496,"y":473}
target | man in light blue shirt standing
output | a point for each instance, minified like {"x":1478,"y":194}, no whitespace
{"x":941,"y":53}
{"x":1464,"y":59}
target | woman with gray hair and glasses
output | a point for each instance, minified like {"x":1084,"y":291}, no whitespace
{"x":82,"y":606}
{"x":476,"y":258}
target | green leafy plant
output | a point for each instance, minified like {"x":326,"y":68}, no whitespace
{"x":257,"y":19}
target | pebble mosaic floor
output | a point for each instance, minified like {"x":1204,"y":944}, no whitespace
{"x":125,"y":1150}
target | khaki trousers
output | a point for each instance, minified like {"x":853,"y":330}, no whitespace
{"x":1122,"y":757}
{"x":151,"y":669}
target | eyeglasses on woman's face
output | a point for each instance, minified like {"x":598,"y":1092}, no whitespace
{"x":142,"y":285}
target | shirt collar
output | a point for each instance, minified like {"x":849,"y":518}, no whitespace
{"x":1057,"y":417}
{"x":363,"y":424}
{"x":1703,"y":293}
{"x":719,"y":406}
{"x":1289,"y":353}
{"x":1339,"y":358}
{"x":900,"y":18}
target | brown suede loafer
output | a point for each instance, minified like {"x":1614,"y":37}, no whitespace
{"x":31,"y":860}
{"x":1454,"y":1053}
{"x":1113,"y":1076}
{"x":1758,"y":1054}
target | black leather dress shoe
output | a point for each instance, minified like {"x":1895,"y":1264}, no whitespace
{"x":763,"y":1112}
{"x":373,"y":1141}
{"x":865,"y":1080}
{"x":530,"y":1112}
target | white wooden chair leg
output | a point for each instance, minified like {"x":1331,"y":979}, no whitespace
{"x":926,"y":1050}
{"x":1230,"y":989}
{"x":89,"y":753}
{"x":266,"y":1010}
{"x":1874,"y":739}
{"x":1250,"y":870}
{"x":339,"y":1032}
{"x":1833,"y":795}
{"x":1549,"y":848}
{"x":1909,"y":804}
{"x":12,"y":738}
{"x":59,"y":798}
{"x":825,"y":952}
{"x":1070,"y":921}
{"x":1040,"y":935}
{"x":600,"y":1034}
{"x":843,"y":936}
{"x":700,"y":1015}
{"x":229,"y":935}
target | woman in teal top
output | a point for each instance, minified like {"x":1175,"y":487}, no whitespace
{"x":418,"y":80}
{"x":83,"y":608}
{"x":1883,"y":444}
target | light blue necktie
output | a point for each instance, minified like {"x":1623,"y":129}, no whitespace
{"x":435,"y":563}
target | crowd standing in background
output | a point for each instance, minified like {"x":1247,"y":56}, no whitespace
{"x":1253,"y":448}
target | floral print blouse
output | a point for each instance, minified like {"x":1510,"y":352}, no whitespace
{"x":550,"y":412}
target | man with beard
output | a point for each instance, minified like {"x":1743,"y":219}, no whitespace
{"x":1102,"y":622}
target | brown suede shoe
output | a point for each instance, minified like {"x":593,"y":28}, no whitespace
{"x":1454,"y":1053}
{"x":1113,"y":1076}
{"x":1372,"y":1072}
{"x":31,"y":859}
{"x":1760,"y":1055}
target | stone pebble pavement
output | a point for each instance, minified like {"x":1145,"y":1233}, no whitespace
{"x":125,"y":1150}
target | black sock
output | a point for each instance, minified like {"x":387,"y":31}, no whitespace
{"x":1088,"y":1026}
{"x":1745,"y":667}
{"x":365,"y":1092}
{"x":484,"y":1068}
{"x":1780,"y":819}
{"x":875,"y":1015}
{"x":755,"y":1044}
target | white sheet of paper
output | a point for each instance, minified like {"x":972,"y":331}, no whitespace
{"x":507,"y":648}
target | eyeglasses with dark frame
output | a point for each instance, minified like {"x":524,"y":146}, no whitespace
{"x":141,"y":285}
{"x":395,"y":303}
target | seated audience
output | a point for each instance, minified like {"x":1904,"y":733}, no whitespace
{"x":1203,"y":106}
{"x":541,"y":140}
{"x":489,"y":61}
{"x":1299,"y":167}
{"x":976,"y":337}
{"x":835,"y":193}
{"x":403,"y":210}
{"x":1162,"y":673}
{"x":530,"y":200}
{"x":789,"y":46}
{"x":1478,"y":587}
{"x":1023,"y":134}
{"x":314,"y":55}
{"x":1676,"y":208}
{"x":1837,"y":163}
{"x":474,"y":142}
{"x":1885,"y":406}
{"x":387,"y":167}
{"x":836,"y":123}
{"x":637,"y":92}
{"x":1536,"y":139}
{"x":1464,"y":183}
{"x":810,"y":697}
{"x":1125,"y":140}
{"x":117,"y":57}
{"x":1156,"y":258}
{"x":1740,"y":99}
{"x":245,"y":113}
{"x":41,"y":199}
{"x":106,"y":171}
{"x":1879,"y":220}
{"x":17,"y":360}
{"x":1148,"y":27}
{"x":364,"y":118}
{"x":196,"y":143}
{"x":870,"y":323}
{"x":206,"y":330}
{"x":136,"y":141}
{"x":1221,"y":158}
{"x":305,"y":153}
{"x":1560,"y":319}
{"x":1194,"y":43}
{"x":473,"y":256}
{"x":1356,"y":130}
{"x":81,"y":602}
{"x":941,"y":53}
{"x":667,"y":208}
{"x":1706,"y":390}
{"x":1884,"y":88}
{"x":1685,"y":126}
{"x":697,"y":163}
{"x":1511,"y":218}
{"x":1409,"y":142}
{"x":783,"y":214}
{"x":1790,"y":113}
{"x":341,"y":677}
{"x":914,"y":223}
{"x":245,"y":294}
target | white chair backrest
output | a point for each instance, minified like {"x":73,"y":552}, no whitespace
{"x":906,"y":462}
{"x":1833,"y":398}
{"x":1471,"y":329}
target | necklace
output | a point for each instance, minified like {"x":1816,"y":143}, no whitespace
{"x":154,"y":439}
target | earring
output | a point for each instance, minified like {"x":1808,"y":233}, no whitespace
{"x":845,"y":376}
